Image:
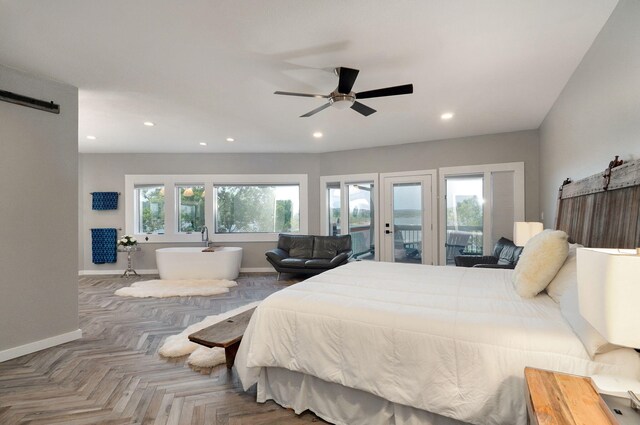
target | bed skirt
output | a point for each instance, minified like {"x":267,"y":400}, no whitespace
{"x":338,"y":404}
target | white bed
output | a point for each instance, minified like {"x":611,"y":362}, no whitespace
{"x":382,"y":343}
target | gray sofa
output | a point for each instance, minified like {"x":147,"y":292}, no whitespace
{"x":308,"y":254}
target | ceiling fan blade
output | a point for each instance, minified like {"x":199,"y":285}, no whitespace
{"x":347,"y":77}
{"x":315,"y":111}
{"x":389,"y":91}
{"x":362,"y":108}
{"x":288,"y":93}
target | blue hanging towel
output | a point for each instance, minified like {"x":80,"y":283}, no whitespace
{"x":105,"y":201}
{"x":104,"y":248}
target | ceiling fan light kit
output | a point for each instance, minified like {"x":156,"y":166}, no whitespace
{"x":342,"y":101}
{"x":343,"y":98}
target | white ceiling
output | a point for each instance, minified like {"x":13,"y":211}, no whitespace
{"x":206,"y":70}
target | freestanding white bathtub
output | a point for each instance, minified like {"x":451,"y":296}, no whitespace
{"x":192,"y":263}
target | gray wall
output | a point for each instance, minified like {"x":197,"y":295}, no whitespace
{"x":101,"y":172}
{"x":597,"y":116}
{"x":105,"y":172}
{"x":38,"y":212}
{"x":476,"y":150}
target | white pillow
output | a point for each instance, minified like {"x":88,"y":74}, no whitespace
{"x":566,"y":276}
{"x":542,"y":257}
{"x":593,"y":342}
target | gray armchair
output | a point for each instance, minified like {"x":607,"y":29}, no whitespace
{"x":308,"y":254}
{"x":505,"y":256}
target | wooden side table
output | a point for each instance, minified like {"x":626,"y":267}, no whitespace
{"x":555,"y":398}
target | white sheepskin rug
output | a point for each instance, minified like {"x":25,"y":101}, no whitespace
{"x":179,"y":345}
{"x":176,"y":288}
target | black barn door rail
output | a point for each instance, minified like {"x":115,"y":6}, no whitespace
{"x":30,"y":102}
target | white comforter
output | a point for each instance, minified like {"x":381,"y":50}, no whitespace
{"x":453,"y":341}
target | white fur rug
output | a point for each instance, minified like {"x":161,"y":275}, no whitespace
{"x":179,"y":345}
{"x":176,"y":288}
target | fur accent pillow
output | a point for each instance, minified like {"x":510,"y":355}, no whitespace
{"x":542,"y":257}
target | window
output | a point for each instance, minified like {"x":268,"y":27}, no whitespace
{"x":361,"y":227}
{"x":257,"y":209}
{"x":406,"y":221}
{"x":480,"y":205}
{"x":464,"y":216}
{"x":190,"y":208}
{"x":334,"y":199}
{"x":235,"y":208}
{"x":150,"y":209}
{"x":348,"y":207}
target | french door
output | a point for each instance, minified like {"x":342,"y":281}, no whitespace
{"x":464,"y":219}
{"x":349,"y":207}
{"x":478,"y":206}
{"x":407,"y":218}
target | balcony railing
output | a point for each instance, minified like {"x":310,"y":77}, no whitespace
{"x":409,"y":237}
{"x":463,"y":240}
{"x":362,"y":242}
{"x":409,"y":234}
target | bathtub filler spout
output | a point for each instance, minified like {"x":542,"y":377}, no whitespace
{"x":204,"y":233}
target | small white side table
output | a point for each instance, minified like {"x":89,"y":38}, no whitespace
{"x":129,"y":249}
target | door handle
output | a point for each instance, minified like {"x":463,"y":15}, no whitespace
{"x":388,"y":232}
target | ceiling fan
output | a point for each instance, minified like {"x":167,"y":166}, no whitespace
{"x":342,"y":97}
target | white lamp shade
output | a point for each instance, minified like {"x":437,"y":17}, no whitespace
{"x":609,"y":293}
{"x":523,"y":231}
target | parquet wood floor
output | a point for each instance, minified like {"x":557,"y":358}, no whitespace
{"x":113,"y":375}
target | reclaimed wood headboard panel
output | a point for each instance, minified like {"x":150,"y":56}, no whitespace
{"x":601,"y":211}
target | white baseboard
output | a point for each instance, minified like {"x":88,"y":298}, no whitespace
{"x":257,"y":270}
{"x":112,"y":272}
{"x":155,"y":271}
{"x":32,"y":347}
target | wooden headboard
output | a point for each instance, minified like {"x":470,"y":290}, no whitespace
{"x":603,"y":210}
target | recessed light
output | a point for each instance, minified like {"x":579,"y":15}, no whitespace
{"x":317,"y":134}
{"x":91,"y":137}
{"x":446,"y":116}
{"x":149,"y":124}
{"x":203,"y":144}
{"x":230,"y":139}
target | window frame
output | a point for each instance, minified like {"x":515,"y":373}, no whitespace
{"x":170,"y":183}
{"x":212,"y":229}
{"x":136,"y":203}
{"x":344,"y":181}
{"x":486,"y":171}
{"x":176,"y":194}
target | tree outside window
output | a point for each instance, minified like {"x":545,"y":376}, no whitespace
{"x":191,"y":208}
{"x":257,"y":209}
{"x":466,"y":213}
{"x":150,"y":209}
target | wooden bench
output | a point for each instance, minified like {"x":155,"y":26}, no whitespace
{"x":226,"y":334}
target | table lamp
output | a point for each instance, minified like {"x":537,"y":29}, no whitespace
{"x":609,"y":299}
{"x":523,"y":231}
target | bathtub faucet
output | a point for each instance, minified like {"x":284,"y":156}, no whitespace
{"x":204,"y":232}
